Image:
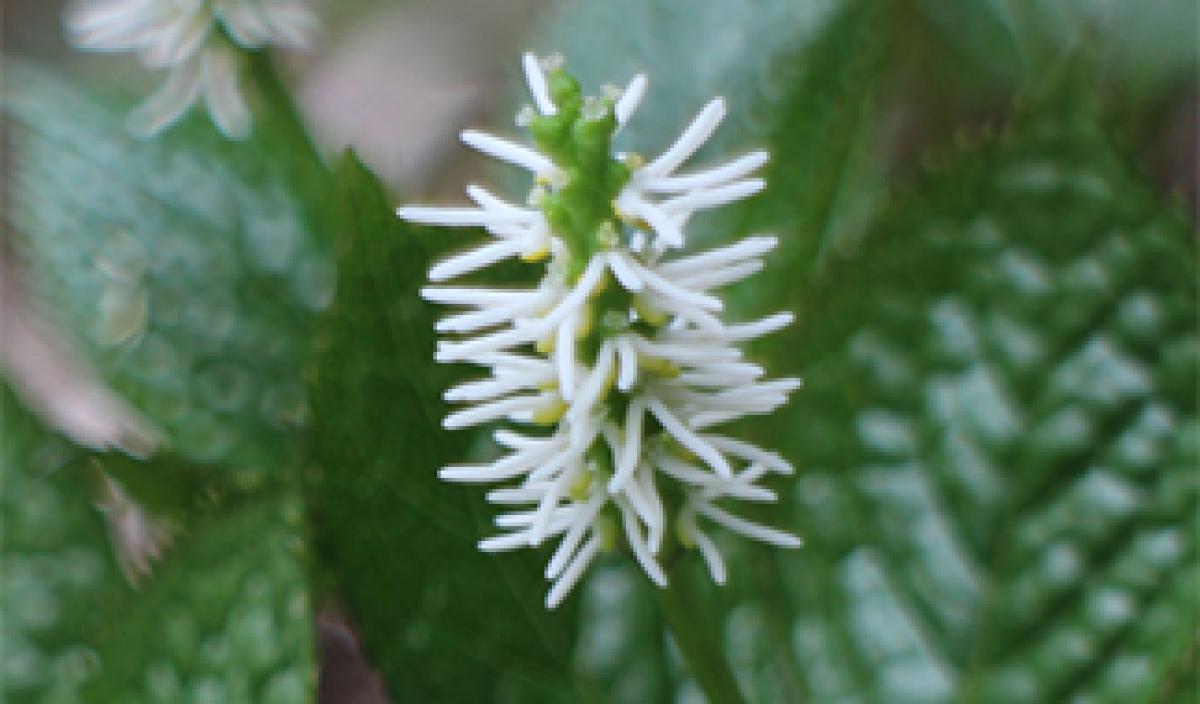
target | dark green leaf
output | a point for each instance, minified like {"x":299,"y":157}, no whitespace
{"x":997,"y":441}
{"x":443,"y":621}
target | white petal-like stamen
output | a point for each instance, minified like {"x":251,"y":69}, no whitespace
{"x":739,"y":490}
{"x":684,"y":472}
{"x":505,"y":150}
{"x":724,"y":276}
{"x":744,"y":249}
{"x":484,"y":199}
{"x":631,"y":451}
{"x":475,"y":259}
{"x":751,"y":453}
{"x":624,"y":272}
{"x":491,"y":388}
{"x":457,"y":217}
{"x":571,"y":540}
{"x":583,"y":288}
{"x":689,"y":439}
{"x":536,"y":80}
{"x":685,"y":354}
{"x":696,"y":134}
{"x":457,"y":296}
{"x":627,"y":358}
{"x":564,"y":356}
{"x":650,"y":513}
{"x":629,"y":370}
{"x":495,"y":410}
{"x":747,"y":528}
{"x":672,"y":290}
{"x":593,"y":386}
{"x":655,"y":513}
{"x":632,"y":205}
{"x":640,"y":548}
{"x":491,"y":316}
{"x":736,"y":169}
{"x":524,"y":494}
{"x":712,"y":556}
{"x":712,"y":197}
{"x":512,"y":466}
{"x":630,"y":98}
{"x":573,"y":572}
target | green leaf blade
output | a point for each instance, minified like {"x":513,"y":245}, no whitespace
{"x":218,"y":615}
{"x":188,"y":267}
{"x":988,"y":399}
{"x":442,"y":620}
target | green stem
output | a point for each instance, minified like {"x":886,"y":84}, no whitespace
{"x":696,"y":637}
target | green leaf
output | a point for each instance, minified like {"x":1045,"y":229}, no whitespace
{"x":997,"y":442}
{"x":1137,"y":43}
{"x":442,"y":621}
{"x":188,"y":266}
{"x":224,"y":617}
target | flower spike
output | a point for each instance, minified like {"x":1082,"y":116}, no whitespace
{"x":619,"y":348}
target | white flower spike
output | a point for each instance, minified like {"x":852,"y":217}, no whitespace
{"x":198,"y":43}
{"x":619,"y":350}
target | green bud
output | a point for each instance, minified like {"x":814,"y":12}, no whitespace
{"x":564,"y":89}
{"x":550,"y":132}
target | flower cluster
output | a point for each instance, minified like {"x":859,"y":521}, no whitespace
{"x":198,"y":43}
{"x":618,"y":351}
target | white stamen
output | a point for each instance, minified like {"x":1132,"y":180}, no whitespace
{"x":631,"y":452}
{"x":630,"y":99}
{"x":689,"y":439}
{"x":505,"y":150}
{"x":748,"y":528}
{"x":736,"y":169}
{"x":537,"y":84}
{"x":573,"y":572}
{"x":696,"y":134}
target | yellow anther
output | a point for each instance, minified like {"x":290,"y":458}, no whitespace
{"x":545,"y":345}
{"x":581,"y":489}
{"x":587,"y":320}
{"x":658,"y":366}
{"x":551,"y":413}
{"x":634,"y":161}
{"x":606,"y":531}
{"x":609,"y":383}
{"x":683,"y":535}
{"x":648,"y":312}
{"x":601,"y":285}
{"x":537,"y":255}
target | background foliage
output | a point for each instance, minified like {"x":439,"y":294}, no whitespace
{"x":997,"y":441}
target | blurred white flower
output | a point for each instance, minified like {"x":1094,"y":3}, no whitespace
{"x":619,"y":349}
{"x":197,"y":43}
